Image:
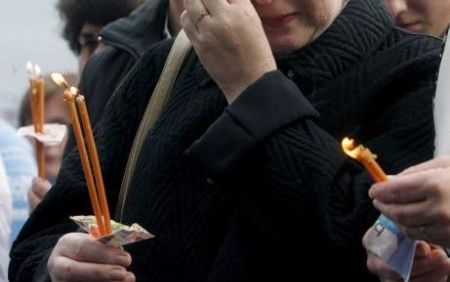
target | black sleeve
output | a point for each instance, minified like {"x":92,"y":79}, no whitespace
{"x":308,"y":176}
{"x":114,"y":135}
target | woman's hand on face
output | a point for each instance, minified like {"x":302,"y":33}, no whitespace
{"x":418,"y":200}
{"x":76,"y":257}
{"x":229,"y":40}
{"x":430,"y":265}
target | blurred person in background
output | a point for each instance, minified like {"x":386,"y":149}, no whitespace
{"x":425,"y":16}
{"x":55,"y":112}
{"x":5,"y":221}
{"x":20,"y":166}
{"x":126,"y":40}
{"x":83,"y":20}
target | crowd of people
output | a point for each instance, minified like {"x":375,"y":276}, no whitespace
{"x":242,"y":177}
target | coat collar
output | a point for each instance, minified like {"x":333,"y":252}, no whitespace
{"x":356,"y":33}
{"x":141,"y":29}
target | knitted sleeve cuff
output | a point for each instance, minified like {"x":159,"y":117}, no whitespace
{"x":267,"y":105}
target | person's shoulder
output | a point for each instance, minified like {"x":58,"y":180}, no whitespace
{"x":5,"y":127}
{"x":159,"y":51}
{"x":411,"y":45}
{"x":405,"y":54}
{"x":13,"y":148}
{"x":107,"y":56}
{"x":105,"y":62}
{"x":153,"y":59}
{"x":8,"y":136}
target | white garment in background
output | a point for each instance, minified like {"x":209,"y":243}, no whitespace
{"x":442,"y":106}
{"x":20,"y":165}
{"x":5,"y":221}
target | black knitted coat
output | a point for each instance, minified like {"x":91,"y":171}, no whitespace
{"x":126,"y":40}
{"x":259,"y":190}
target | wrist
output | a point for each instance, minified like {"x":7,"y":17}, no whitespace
{"x":235,"y":88}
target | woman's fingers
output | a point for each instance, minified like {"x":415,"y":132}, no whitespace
{"x":440,"y":162}
{"x":196,"y":10}
{"x":434,"y":261}
{"x":81,"y":247}
{"x":65,"y":269}
{"x":401,"y":189}
{"x":422,"y":249}
{"x":76,"y":257}
{"x":437,"y":233}
{"x":215,"y":6}
{"x":221,"y":41}
{"x":410,"y":215}
{"x":40,"y":187}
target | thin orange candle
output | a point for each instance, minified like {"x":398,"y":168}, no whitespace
{"x":69,"y":97}
{"x":33,"y":102}
{"x":40,"y":95}
{"x":95,"y":161}
{"x":364,"y":156}
{"x":37,"y":104}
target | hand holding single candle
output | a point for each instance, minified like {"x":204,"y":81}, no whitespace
{"x":384,"y":239}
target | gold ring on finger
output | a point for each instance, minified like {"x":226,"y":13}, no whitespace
{"x":202,"y":15}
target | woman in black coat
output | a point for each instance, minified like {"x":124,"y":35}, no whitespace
{"x":243,"y":178}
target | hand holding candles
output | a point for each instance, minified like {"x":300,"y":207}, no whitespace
{"x":88,"y":155}
{"x":366,"y":157}
{"x":37,"y":111}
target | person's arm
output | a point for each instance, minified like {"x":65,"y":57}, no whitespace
{"x":305,"y":164}
{"x":5,"y":221}
{"x":272,"y":128}
{"x":69,"y":196}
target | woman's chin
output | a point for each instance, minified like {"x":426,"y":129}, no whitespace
{"x":284,"y":47}
{"x":287,"y":44}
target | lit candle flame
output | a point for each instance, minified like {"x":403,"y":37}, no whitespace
{"x":37,"y":71}
{"x":74,"y":91}
{"x":348,"y":145}
{"x":29,"y":68}
{"x":34,"y":71}
{"x":60,"y":80}
{"x":365,"y":156}
{"x":37,"y":108}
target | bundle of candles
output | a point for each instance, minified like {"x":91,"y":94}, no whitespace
{"x":37,"y":100}
{"x":88,"y":154}
{"x":364,"y":156}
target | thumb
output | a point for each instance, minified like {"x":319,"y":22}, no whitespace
{"x":422,"y":249}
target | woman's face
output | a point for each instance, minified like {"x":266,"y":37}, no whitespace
{"x":55,"y":112}
{"x":292,"y":24}
{"x":425,"y":16}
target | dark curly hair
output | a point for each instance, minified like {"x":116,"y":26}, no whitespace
{"x":75,"y":13}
